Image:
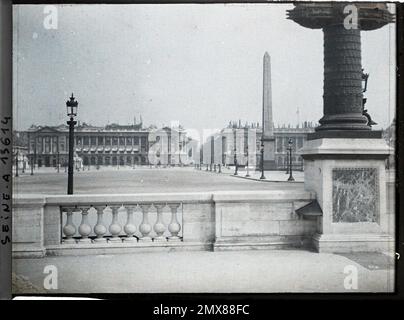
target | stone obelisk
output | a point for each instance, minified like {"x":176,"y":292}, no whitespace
{"x":267,"y":119}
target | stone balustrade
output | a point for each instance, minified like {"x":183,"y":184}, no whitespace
{"x":117,"y":223}
{"x":129,"y":223}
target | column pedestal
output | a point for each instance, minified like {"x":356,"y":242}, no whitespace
{"x":349,"y":178}
{"x":269,"y":154}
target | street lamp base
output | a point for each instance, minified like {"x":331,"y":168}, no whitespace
{"x":291,"y":179}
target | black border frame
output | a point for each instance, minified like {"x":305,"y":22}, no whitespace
{"x":260,"y":300}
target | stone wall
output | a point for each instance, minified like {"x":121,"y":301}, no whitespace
{"x":262,"y":220}
{"x":209,"y":221}
{"x":205,"y":218}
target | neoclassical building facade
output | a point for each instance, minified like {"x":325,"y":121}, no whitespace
{"x":110,"y":145}
{"x":244,"y":141}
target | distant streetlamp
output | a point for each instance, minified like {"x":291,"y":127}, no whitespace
{"x":290,"y":142}
{"x":200,"y":158}
{"x":235,"y":154}
{"x":248,"y":169}
{"x":262,"y":160}
{"x":58,"y":160}
{"x":32,"y":164}
{"x":179,"y":149}
{"x":71,"y":106}
{"x":16,"y":163}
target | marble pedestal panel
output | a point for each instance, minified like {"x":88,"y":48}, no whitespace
{"x":349,"y":179}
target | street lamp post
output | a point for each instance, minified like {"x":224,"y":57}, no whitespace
{"x":262,"y":160}
{"x":16,"y":163}
{"x":32,"y":164}
{"x":248,"y":169}
{"x":58,"y":164}
{"x":235,"y":154}
{"x":290,"y":161}
{"x":71,"y":106}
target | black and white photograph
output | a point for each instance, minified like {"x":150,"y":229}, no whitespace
{"x":204,"y":148}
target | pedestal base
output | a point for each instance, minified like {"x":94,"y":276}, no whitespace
{"x":345,"y":243}
{"x":349,"y":178}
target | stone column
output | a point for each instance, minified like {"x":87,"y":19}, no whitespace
{"x":342,"y":80}
{"x":344,"y":160}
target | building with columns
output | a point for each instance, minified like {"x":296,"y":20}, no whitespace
{"x":113,"y":144}
{"x":243,"y":139}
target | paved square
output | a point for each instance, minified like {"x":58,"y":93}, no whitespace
{"x":145,"y":180}
{"x":183,"y":272}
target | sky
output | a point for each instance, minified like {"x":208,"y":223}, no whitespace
{"x":196,"y":64}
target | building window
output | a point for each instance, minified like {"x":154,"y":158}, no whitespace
{"x":129,"y":141}
{"x":294,"y":141}
{"x":143,"y":141}
{"x":93,"y":141}
{"x":107,"y":141}
{"x":114,"y":141}
{"x":100,"y":140}
{"x":136,"y":141}
{"x":78,"y":140}
{"x":121,"y":141}
{"x":47,"y":145}
{"x":279,"y":145}
{"x":54,"y":145}
{"x":300,"y":142}
{"x":38,"y":146}
{"x":86,"y":141}
{"x":62,"y":147}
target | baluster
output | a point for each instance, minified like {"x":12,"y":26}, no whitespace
{"x":159,"y":226}
{"x":69,"y":229}
{"x":100,"y":229}
{"x":174,"y":227}
{"x":145,"y":227}
{"x":84,"y":228}
{"x":130,"y":227}
{"x":115,"y":228}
